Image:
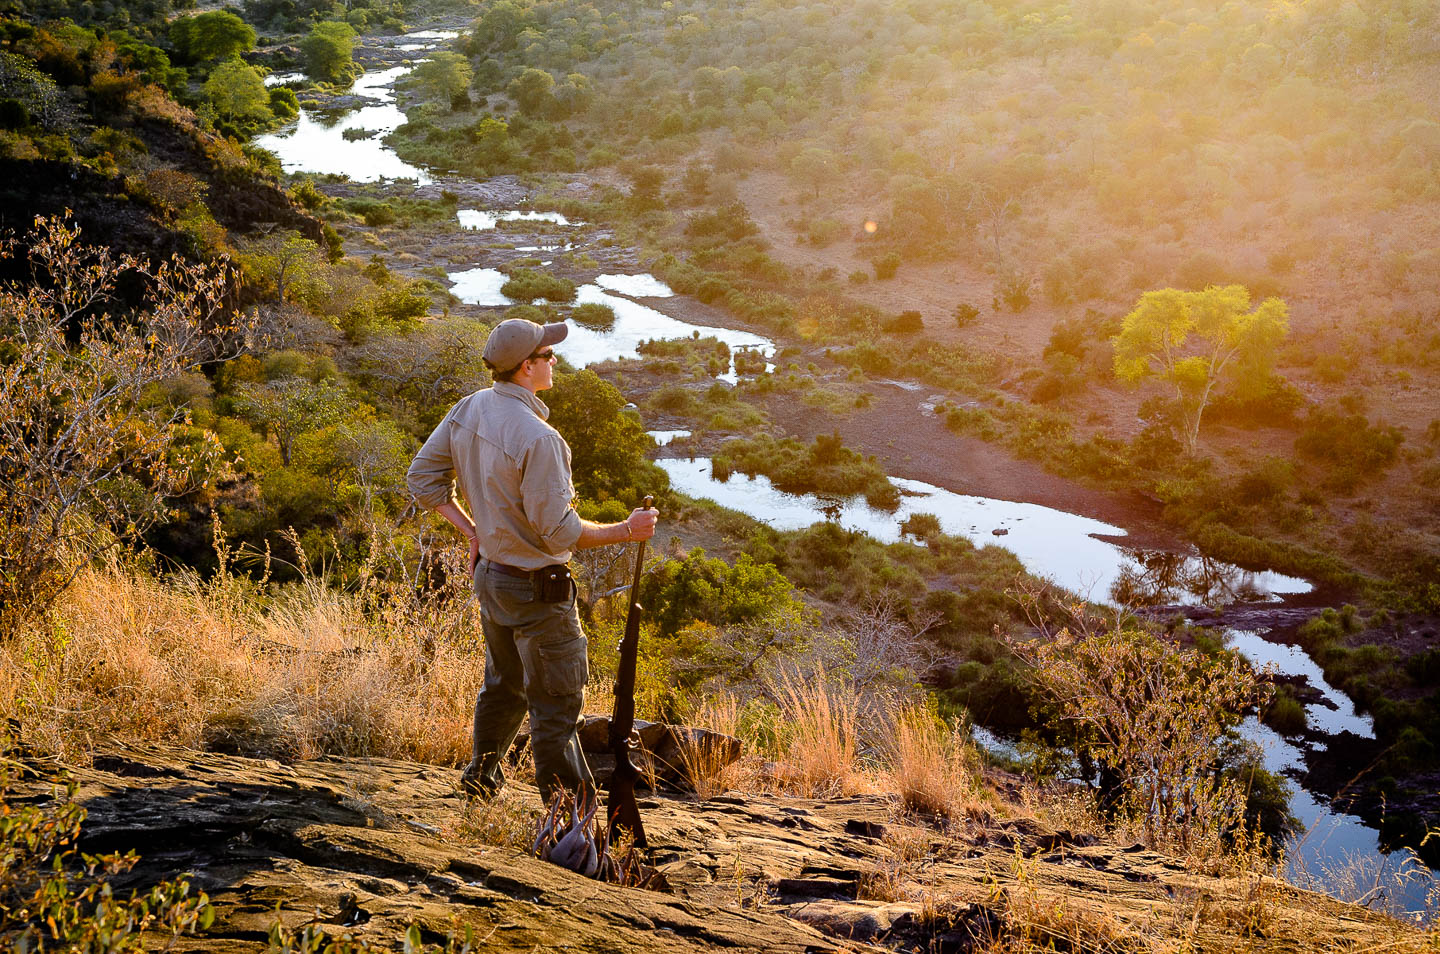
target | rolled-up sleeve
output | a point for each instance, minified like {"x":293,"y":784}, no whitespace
{"x":546,"y":492}
{"x":431,"y":477}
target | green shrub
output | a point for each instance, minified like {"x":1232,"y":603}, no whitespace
{"x":1342,"y":437}
{"x":374,"y":212}
{"x":921,"y":526}
{"x":827,"y":466}
{"x":965,"y":314}
{"x":1285,"y":714}
{"x":868,"y":357}
{"x":1014,"y":292}
{"x":525,"y":284}
{"x":596,"y":315}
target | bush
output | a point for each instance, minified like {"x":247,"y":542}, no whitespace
{"x":58,"y":898}
{"x":86,"y":458}
{"x":868,"y":357}
{"x":1285,"y":714}
{"x":921,"y":526}
{"x":1014,"y":292}
{"x":526,"y":285}
{"x":374,"y":212}
{"x":596,"y":315}
{"x":905,"y":323}
{"x":886,"y":266}
{"x":965,"y":314}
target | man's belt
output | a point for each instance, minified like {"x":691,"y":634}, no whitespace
{"x":509,"y":570}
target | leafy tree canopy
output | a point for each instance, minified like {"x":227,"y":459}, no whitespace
{"x":1196,"y":340}
{"x":211,"y":36}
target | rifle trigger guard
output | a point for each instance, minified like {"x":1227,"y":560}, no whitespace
{"x":633,"y":739}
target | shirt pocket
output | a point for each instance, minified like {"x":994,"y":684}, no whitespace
{"x":565,"y":668}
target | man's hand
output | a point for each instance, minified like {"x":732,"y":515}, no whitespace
{"x":641,"y":523}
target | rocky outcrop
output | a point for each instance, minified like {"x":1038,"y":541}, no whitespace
{"x":372,"y":846}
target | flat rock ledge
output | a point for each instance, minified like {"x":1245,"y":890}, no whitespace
{"x":370,"y":847}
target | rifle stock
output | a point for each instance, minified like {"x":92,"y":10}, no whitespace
{"x":623,"y":811}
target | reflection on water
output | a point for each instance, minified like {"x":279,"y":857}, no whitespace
{"x":480,"y":219}
{"x":1158,"y":577}
{"x":634,"y":322}
{"x":280,"y":79}
{"x":1335,"y":843}
{"x":664,"y":438}
{"x":318,"y":145}
{"x":1050,"y":543}
{"x":1291,"y":661}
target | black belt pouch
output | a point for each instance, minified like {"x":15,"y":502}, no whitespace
{"x":553,"y":584}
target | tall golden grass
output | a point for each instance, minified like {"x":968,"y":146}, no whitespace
{"x":820,"y":738}
{"x":933,"y":767}
{"x":299,"y":672}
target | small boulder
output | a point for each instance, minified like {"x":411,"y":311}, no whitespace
{"x":853,"y":920}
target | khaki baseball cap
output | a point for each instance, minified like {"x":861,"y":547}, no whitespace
{"x":515,"y":339}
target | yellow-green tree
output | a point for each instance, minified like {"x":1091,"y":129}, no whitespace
{"x":328,"y":51}
{"x":1197,"y":340}
{"x":445,"y":76}
{"x":237,"y":92}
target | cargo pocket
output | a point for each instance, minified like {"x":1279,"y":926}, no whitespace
{"x":564,"y":669}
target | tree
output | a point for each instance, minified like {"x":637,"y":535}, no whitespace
{"x":85,"y":459}
{"x":1156,"y":720}
{"x":499,"y":27}
{"x":533,"y":92}
{"x":445,"y":76}
{"x":1197,"y":340}
{"x":645,"y":185}
{"x":237,"y":92}
{"x":608,"y":448}
{"x":218,"y":34}
{"x":328,"y":50}
{"x":574,"y":96}
{"x":291,"y":406}
{"x":815,"y":167}
{"x":282,"y":260}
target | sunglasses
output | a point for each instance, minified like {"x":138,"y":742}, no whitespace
{"x":546,"y":355}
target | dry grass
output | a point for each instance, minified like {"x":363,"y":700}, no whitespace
{"x":820,"y":738}
{"x":506,"y":821}
{"x":705,"y":763}
{"x":301,"y":672}
{"x":932,"y":767}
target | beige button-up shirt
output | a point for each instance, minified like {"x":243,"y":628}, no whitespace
{"x":514,"y":473}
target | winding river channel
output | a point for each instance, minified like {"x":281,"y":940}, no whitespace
{"x":1081,"y":554}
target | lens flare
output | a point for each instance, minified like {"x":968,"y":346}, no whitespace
{"x":870,"y":227}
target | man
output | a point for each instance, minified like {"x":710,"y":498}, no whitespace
{"x":514,"y":473}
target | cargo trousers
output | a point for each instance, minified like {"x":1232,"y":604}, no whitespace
{"x":535,"y":660}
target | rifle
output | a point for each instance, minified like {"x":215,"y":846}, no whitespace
{"x":623,"y":811}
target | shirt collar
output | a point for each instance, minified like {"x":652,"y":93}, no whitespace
{"x":527,"y":397}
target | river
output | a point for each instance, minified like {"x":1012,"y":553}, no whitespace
{"x":1081,"y":554}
